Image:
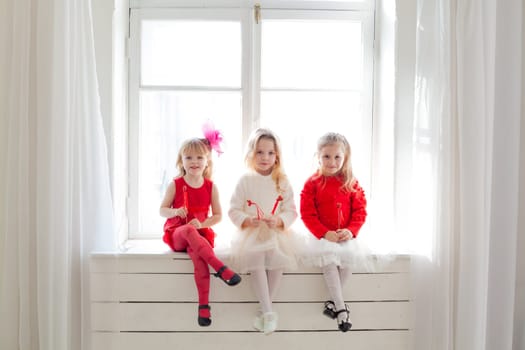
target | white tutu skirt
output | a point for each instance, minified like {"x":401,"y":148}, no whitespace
{"x":353,"y":254}
{"x":262,"y":247}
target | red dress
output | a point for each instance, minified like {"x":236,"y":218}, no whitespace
{"x":198,"y":206}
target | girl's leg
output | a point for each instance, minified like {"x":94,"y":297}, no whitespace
{"x":266,"y":320}
{"x":333,"y":283}
{"x":344,"y":275}
{"x":202,"y":281}
{"x":201,"y":276}
{"x":187,"y":236}
{"x":259,"y":282}
{"x":274,"y":281}
{"x":260,"y":287}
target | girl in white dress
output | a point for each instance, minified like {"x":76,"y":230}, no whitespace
{"x":262,"y":207}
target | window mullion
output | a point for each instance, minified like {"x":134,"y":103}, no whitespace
{"x":133,"y":125}
{"x":251,"y":72}
{"x":248,"y":92}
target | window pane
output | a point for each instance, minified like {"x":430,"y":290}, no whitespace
{"x":300,"y":118}
{"x":191,"y":53}
{"x":312,"y":54}
{"x":167,"y":120}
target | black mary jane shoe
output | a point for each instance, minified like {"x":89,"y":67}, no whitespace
{"x":204,"y":321}
{"x":329,"y":309}
{"x":344,"y":324}
{"x":232,"y":281}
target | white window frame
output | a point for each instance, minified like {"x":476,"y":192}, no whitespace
{"x":250,"y":87}
{"x":136,"y":16}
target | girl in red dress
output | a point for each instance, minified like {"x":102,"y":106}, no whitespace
{"x":333,"y":208}
{"x":186,"y":205}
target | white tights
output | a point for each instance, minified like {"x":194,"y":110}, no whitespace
{"x":335,"y":278}
{"x":265,"y":284}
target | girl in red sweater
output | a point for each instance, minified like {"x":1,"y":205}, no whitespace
{"x":333,"y":208}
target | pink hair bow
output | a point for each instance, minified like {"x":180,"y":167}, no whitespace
{"x":213,"y":136}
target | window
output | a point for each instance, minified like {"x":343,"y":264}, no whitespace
{"x":300,"y":72}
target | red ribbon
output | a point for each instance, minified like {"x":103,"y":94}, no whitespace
{"x":185,"y":194}
{"x":339,"y":215}
{"x":279,"y":199}
{"x":185,"y":199}
{"x":260,"y":213}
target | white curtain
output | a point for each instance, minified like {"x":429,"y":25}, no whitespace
{"x":55,"y":204}
{"x":469,"y":142}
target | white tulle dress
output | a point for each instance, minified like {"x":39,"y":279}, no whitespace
{"x":325,"y":206}
{"x":256,"y":195}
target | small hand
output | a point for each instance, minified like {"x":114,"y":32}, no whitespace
{"x":344,"y":235}
{"x":182,"y":212}
{"x":251,"y":222}
{"x":331,"y":236}
{"x":196,"y":223}
{"x":272,"y":221}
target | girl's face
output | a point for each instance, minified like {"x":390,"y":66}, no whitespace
{"x":331,"y":159}
{"x":265,"y":156}
{"x":194,"y":163}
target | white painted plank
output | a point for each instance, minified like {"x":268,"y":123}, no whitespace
{"x":355,"y":340}
{"x":177,"y":287}
{"x":104,"y":286}
{"x":104,"y":263}
{"x":182,"y":317}
{"x":151,"y":262}
{"x":173,"y":262}
{"x":105,"y":341}
{"x":105,"y":316}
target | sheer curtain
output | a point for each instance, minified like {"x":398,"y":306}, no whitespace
{"x":469,"y":124}
{"x":55,"y":202}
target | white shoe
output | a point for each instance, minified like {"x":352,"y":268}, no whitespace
{"x":258,"y":321}
{"x":270,"y":322}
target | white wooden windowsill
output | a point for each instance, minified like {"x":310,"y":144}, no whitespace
{"x":145,"y":298}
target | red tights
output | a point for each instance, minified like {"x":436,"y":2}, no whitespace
{"x":187,"y":238}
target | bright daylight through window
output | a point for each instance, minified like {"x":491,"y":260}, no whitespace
{"x":298,"y":72}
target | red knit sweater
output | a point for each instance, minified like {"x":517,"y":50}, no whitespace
{"x":325,"y":206}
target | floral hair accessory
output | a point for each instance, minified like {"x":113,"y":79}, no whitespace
{"x":213,"y":136}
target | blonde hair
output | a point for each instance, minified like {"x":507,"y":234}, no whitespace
{"x":200,"y":147}
{"x":346,"y":172}
{"x":278,"y":174}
